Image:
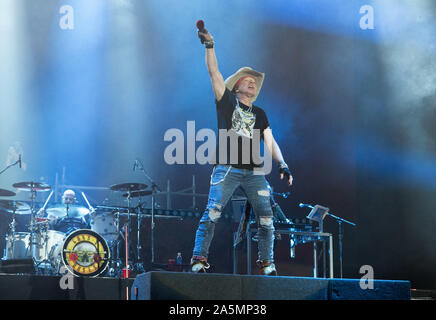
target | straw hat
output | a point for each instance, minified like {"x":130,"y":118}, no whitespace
{"x":244,"y":72}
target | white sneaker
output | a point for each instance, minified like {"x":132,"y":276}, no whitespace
{"x":199,"y":266}
{"x":267,"y":268}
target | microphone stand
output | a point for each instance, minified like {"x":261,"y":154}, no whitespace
{"x":11,"y":165}
{"x":284,"y":195}
{"x":154,"y":187}
{"x":340,"y":236}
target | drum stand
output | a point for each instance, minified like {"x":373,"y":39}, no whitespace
{"x":12,"y":228}
{"x":33,"y":188}
{"x":128,"y":232}
{"x":45,"y":264}
{"x":44,"y":238}
{"x":129,"y":187}
{"x":114,"y":269}
{"x":43,"y":231}
{"x":114,"y":245}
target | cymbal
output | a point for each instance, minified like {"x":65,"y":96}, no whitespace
{"x":136,"y":194}
{"x":60,"y":211}
{"x":6,"y":193}
{"x":17,"y":207}
{"x":31,"y":186}
{"x":130,"y":186}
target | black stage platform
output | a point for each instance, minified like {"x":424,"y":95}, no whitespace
{"x":188,"y":286}
{"x":36,"y":287}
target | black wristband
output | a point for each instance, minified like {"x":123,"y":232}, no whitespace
{"x":209,"y":44}
{"x":284,"y":169}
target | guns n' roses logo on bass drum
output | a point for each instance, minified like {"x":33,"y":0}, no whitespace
{"x":85,"y":253}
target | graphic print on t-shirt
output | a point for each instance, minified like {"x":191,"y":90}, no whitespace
{"x":243,"y":122}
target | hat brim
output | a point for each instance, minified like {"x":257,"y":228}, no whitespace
{"x":245,"y":72}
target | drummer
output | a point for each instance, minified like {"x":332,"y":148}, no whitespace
{"x":70,"y":216}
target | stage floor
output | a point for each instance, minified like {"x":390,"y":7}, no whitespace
{"x":158,"y":285}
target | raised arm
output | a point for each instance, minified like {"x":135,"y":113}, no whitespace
{"x":212,"y":65}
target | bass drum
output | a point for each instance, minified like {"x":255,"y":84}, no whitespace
{"x":85,"y":253}
{"x":18,"y":246}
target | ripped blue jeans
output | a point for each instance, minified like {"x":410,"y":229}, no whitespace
{"x":224,"y":181}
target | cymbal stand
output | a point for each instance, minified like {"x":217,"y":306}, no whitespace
{"x":139,"y":264}
{"x":154,"y":188}
{"x":128,"y":227}
{"x":116,"y":247}
{"x":32,"y":222}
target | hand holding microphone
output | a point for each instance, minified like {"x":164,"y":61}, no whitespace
{"x":202,"y":32}
{"x":204,"y":35}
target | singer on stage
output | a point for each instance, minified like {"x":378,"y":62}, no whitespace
{"x":236,"y":113}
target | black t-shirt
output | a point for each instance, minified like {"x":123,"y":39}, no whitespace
{"x":246,"y":124}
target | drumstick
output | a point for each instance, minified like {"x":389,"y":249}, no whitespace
{"x":90,"y":207}
{"x":45,"y":204}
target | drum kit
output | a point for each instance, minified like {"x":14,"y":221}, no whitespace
{"x":85,"y":240}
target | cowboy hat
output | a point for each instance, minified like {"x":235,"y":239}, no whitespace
{"x":245,"y":72}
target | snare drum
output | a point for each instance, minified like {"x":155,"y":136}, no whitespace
{"x":18,"y":246}
{"x":105,"y":224}
{"x":67,"y":225}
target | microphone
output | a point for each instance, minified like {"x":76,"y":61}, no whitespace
{"x":200,"y":25}
{"x":19,"y":161}
{"x":301,"y":205}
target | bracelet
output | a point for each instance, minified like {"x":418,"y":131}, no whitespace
{"x":283,"y":165}
{"x":209,"y":43}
